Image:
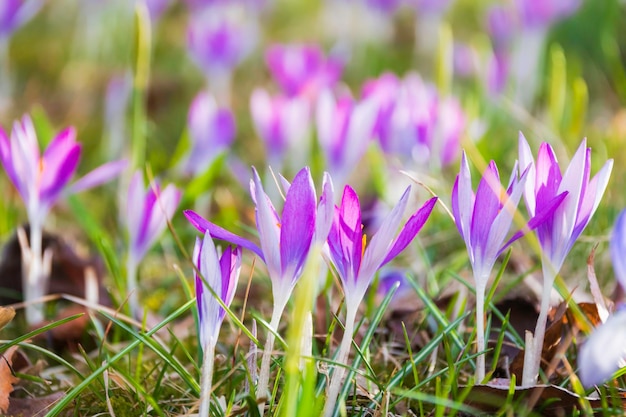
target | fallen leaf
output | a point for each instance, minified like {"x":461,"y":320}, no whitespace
{"x":553,"y":400}
{"x":7,"y":378}
{"x":6,"y":315}
{"x":33,"y":406}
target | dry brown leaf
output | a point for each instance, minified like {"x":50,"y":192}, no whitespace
{"x":6,"y":315}
{"x":553,"y":400}
{"x":33,"y":406}
{"x":7,"y":378}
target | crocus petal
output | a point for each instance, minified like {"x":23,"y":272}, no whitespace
{"x":218,"y":232}
{"x":526,"y":160}
{"x":604,"y":351}
{"x":230,"y":265}
{"x":618,"y":248}
{"x":209,"y":266}
{"x":269,"y":229}
{"x":411,"y":229}
{"x":298,"y":224}
{"x":486,"y":208}
{"x":99,"y":176}
{"x":350,"y":229}
{"x":593,"y":193}
{"x":380,"y":244}
{"x":325,"y":210}
{"x":57,"y":173}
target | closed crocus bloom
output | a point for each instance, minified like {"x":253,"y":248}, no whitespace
{"x":211,"y":130}
{"x":283,"y":123}
{"x":302,"y":69}
{"x":221,"y":275}
{"x":564,"y":224}
{"x":147,"y":213}
{"x":344,"y":130}
{"x":218,"y":275}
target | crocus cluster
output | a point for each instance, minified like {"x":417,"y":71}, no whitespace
{"x":286,"y":241}
{"x":415,"y":123}
{"x":41,"y":181}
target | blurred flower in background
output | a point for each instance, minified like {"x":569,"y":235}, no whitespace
{"x":301,"y":69}
{"x":415,"y":124}
{"x":283,"y":124}
{"x":345,"y":127}
{"x":211,"y":132}
{"x":219,"y":38}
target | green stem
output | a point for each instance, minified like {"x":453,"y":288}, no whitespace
{"x":342,"y":359}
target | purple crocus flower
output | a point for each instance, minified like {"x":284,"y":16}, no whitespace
{"x":344,"y":129}
{"x":604,"y":352}
{"x":41,"y":180}
{"x":558,"y":234}
{"x":14,"y":13}
{"x":147,"y":213}
{"x":218,"y":275}
{"x":357,"y":262}
{"x":283,"y":124}
{"x":302,"y":69}
{"x":483,"y":220}
{"x":563,"y":226}
{"x":211,"y":130}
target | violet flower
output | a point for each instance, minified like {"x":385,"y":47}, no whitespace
{"x":483,"y":220}
{"x":40,"y":181}
{"x":357,"y":262}
{"x":283,"y":124}
{"x":218,"y":275}
{"x":604,"y":352}
{"x":219,"y":38}
{"x":147,"y":214}
{"x":211,"y":130}
{"x":543,"y":13}
{"x":558,"y":234}
{"x":344,"y":130}
{"x":285,"y":243}
{"x":302,"y":69}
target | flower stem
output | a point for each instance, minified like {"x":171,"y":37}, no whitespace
{"x":206,"y":378}
{"x":342,"y":359}
{"x":34,"y":278}
{"x":261,"y":389}
{"x":532,"y":357}
{"x":131,"y":287}
{"x":480,"y":334}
